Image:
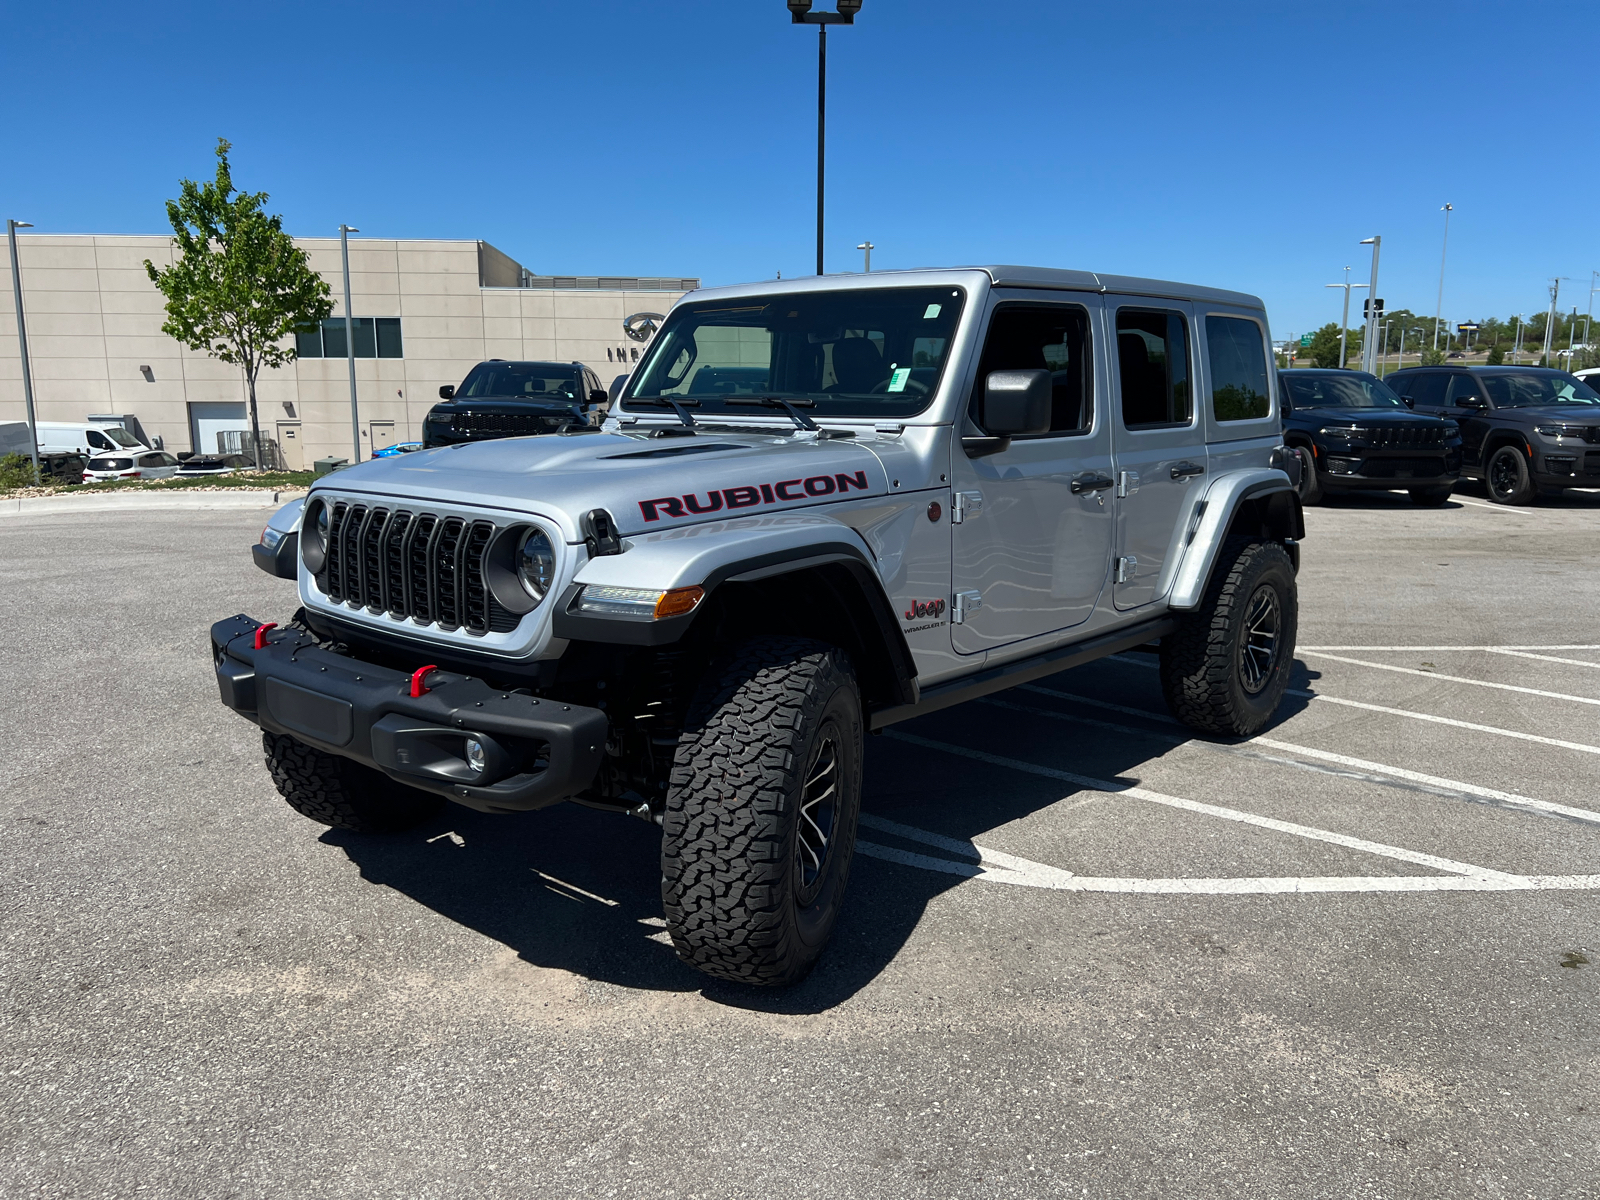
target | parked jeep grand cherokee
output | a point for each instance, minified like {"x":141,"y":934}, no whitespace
{"x":819,"y":508}
{"x":1528,"y":431}
{"x":514,"y":399}
{"x":1357,"y":435}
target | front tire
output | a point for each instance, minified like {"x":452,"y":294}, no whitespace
{"x":1311,"y":489}
{"x":344,"y":794}
{"x":1225,"y":669}
{"x":760,"y":822}
{"x":1507,"y":478}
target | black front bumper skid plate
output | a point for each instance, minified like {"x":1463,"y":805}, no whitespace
{"x":538,"y":751}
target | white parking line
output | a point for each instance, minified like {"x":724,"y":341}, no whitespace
{"x":1415,"y":857}
{"x":979,"y":862}
{"x":1488,"y":649}
{"x":1571,"y":662}
{"x":1472,"y":725}
{"x":1343,"y":760}
{"x":1499,"y":508}
{"x":1504,"y":687}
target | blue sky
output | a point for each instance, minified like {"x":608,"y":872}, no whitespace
{"x":1246,"y":145}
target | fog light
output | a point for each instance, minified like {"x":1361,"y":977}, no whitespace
{"x":476,"y":758}
{"x":1342,"y":466}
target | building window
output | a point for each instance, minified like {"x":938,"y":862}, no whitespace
{"x":375,"y":337}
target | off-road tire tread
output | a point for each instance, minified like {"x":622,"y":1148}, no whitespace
{"x":1196,"y":662}
{"x":724,"y":850}
{"x":343,"y":794}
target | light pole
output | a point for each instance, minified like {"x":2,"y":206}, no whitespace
{"x":1550,"y":321}
{"x":1385,"y":343}
{"x":1369,"y":347}
{"x":1516,"y":347}
{"x":1400,"y":358}
{"x":866,"y":248}
{"x":22,"y":342}
{"x":800,"y":14}
{"x":1443,"y":250}
{"x":1344,"y":322}
{"x":349,"y":341}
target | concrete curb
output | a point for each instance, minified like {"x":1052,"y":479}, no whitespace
{"x":240,"y":498}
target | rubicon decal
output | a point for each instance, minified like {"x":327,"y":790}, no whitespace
{"x":783,"y":492}
{"x":925,"y":608}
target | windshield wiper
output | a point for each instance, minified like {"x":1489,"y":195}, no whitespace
{"x":790,"y":406}
{"x":681,"y":407}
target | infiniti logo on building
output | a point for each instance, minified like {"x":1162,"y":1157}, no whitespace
{"x":641,"y":327}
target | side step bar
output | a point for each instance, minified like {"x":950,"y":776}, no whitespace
{"x":1025,"y":670}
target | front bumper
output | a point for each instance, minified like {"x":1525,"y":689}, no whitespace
{"x":1387,"y":470}
{"x":538,"y":751}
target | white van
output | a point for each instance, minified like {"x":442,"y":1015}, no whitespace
{"x":62,"y":437}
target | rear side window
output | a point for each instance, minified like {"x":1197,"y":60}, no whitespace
{"x":1239,"y":389}
{"x":1049,"y":337}
{"x":1153,"y":363}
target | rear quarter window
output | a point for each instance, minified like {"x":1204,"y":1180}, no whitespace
{"x":1237,"y":354}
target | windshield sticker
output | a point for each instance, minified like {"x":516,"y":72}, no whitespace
{"x":932,"y":312}
{"x":898,"y":377}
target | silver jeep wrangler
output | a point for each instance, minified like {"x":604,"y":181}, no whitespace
{"x":818,"y":508}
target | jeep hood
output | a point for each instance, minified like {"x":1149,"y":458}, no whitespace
{"x":647,"y":484}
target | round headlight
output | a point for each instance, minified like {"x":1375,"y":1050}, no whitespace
{"x":536,"y":564}
{"x":314,"y":537}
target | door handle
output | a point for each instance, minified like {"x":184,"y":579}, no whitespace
{"x":1091,"y":481}
{"x":1185,"y":469}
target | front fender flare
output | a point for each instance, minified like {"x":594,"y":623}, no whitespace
{"x":1213,"y":517}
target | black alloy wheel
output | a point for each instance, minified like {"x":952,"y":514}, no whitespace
{"x":1507,"y":477}
{"x":1258,"y":641}
{"x":819,"y":813}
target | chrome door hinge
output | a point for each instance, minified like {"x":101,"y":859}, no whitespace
{"x":964,"y":505}
{"x":1126,"y":567}
{"x":965,"y":603}
{"x":1127,"y":483}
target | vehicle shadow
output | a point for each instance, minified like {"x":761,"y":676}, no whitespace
{"x":577,"y":890}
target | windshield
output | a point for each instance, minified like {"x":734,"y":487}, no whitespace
{"x":1525,"y":391}
{"x":875,"y":352}
{"x":110,"y":464}
{"x":549,"y":382}
{"x":1352,"y":390}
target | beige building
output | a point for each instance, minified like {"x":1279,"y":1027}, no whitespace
{"x":426,"y":311}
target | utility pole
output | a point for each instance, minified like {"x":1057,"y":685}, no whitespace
{"x":1439,"y":311}
{"x":1516,"y":348}
{"x":1550,"y":321}
{"x":1369,"y":341}
{"x":1344,"y":323}
{"x":867,"y":248}
{"x":22,"y":342}
{"x":349,"y":344}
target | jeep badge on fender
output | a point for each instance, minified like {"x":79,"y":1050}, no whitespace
{"x":692,"y":613}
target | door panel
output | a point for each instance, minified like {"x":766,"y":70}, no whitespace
{"x":208,"y":418}
{"x":1158,"y":445}
{"x":1035,"y":551}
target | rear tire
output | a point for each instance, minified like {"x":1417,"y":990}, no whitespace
{"x":1430,"y":497}
{"x":344,"y":794}
{"x":1311,"y":489}
{"x":1506,"y":477}
{"x":760,"y":822}
{"x":1225,"y":669}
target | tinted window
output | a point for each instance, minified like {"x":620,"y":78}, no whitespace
{"x":846,"y":353}
{"x":1153,"y":362}
{"x":308,"y":342}
{"x":99,"y":441}
{"x":151,"y":460}
{"x":1519,"y":391}
{"x":375,"y":337}
{"x":1344,"y":389}
{"x":1460,"y":385}
{"x":110,"y":464}
{"x":1052,"y":338}
{"x":389,"y":337}
{"x":1426,"y":388}
{"x":1239,"y":389}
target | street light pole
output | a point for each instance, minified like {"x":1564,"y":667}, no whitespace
{"x":1516,"y":347}
{"x":1344,"y":323}
{"x":1550,"y":321}
{"x":22,"y":342}
{"x":1369,"y":348}
{"x":1588,"y":325}
{"x":1443,"y":250}
{"x":867,"y":248}
{"x":800,"y":14}
{"x":349,"y":341}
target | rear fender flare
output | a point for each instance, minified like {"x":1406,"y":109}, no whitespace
{"x":1262,"y":499}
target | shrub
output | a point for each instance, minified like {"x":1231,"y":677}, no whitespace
{"x":16,"y":471}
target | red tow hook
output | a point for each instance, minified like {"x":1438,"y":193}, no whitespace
{"x":417,"y":676}
{"x":261,"y":633}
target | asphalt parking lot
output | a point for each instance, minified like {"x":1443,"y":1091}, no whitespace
{"x":1084,"y":954}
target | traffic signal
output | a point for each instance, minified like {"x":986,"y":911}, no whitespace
{"x":1372,"y":307}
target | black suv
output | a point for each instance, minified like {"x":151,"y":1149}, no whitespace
{"x":1355,"y":434}
{"x":514,"y":399}
{"x":1528,"y":431}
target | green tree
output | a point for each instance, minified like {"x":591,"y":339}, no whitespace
{"x":1432,"y":358}
{"x":1324,"y":349}
{"x":240,"y":286}
{"x":1496,"y":357}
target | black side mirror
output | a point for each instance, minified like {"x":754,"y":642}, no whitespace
{"x":1408,"y":401}
{"x":1471,"y":402}
{"x":596,"y":396}
{"x":447,"y":391}
{"x":1017,"y":403}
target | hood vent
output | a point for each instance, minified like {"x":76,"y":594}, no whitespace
{"x":674,"y":451}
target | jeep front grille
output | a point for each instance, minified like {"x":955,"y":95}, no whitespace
{"x":1404,"y":435}
{"x":508,"y":424}
{"x":412,"y":564}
